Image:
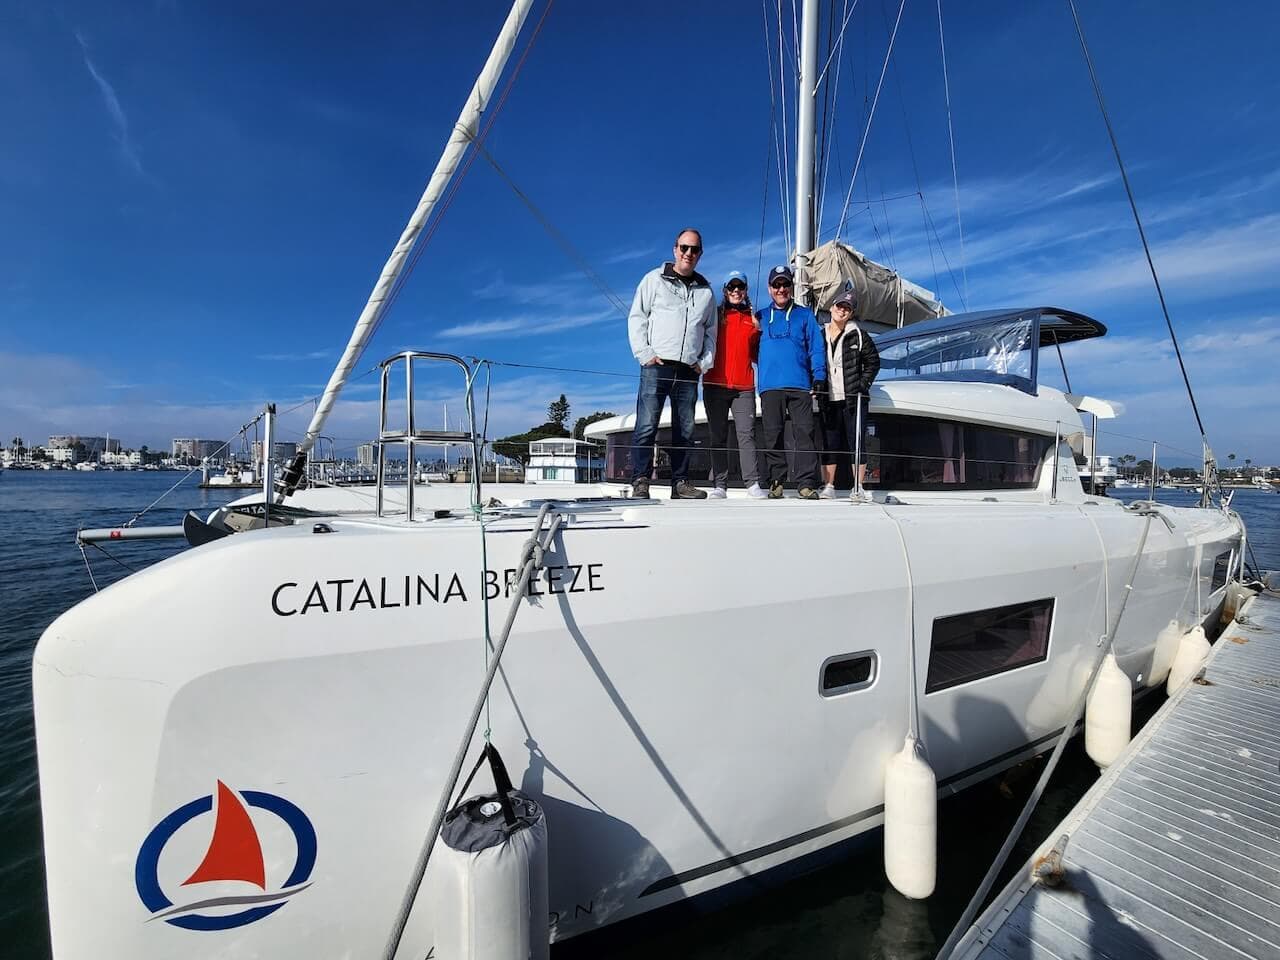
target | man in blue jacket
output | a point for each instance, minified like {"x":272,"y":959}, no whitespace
{"x":791,"y":370}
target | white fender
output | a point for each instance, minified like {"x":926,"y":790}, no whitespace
{"x":489,"y":892}
{"x":910,"y":822}
{"x":1108,"y":714}
{"x":1165,"y":650}
{"x":1193,"y":651}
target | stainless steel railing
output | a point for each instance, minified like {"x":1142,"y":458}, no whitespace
{"x":410,"y":436}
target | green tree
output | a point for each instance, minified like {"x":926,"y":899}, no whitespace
{"x":1143,"y":468}
{"x":580,"y":428}
{"x":516,"y":446}
{"x":1248,"y":465}
{"x":558,"y":412}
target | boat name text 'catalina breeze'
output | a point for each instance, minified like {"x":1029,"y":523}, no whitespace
{"x":414,"y":590}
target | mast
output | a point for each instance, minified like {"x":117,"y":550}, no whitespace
{"x":463,"y":133}
{"x":806,"y":142}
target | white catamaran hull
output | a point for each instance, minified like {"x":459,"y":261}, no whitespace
{"x":660,"y":695}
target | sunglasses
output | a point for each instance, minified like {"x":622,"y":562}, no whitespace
{"x":780,"y":285}
{"x":693,"y":248}
{"x":736,"y":286}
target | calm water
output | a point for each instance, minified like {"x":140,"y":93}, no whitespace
{"x":842,"y":911}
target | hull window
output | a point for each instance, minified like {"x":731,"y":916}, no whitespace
{"x":847,"y":673}
{"x":970,"y":646}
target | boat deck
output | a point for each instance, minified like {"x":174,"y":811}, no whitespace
{"x":1175,"y":851}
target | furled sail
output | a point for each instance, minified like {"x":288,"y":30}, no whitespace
{"x":884,"y":296}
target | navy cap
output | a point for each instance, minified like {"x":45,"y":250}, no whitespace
{"x":848,"y":296}
{"x":781,"y":271}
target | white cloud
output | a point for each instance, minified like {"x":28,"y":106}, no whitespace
{"x":526,"y":326}
{"x":119,"y":120}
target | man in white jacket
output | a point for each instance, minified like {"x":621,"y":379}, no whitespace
{"x":672,"y":327}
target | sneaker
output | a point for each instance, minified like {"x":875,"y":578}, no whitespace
{"x":775,"y":490}
{"x":807,"y":493}
{"x":684,"y":490}
{"x":718,"y":493}
{"x":640,"y":488}
{"x":828,"y":492}
{"x":756,"y":492}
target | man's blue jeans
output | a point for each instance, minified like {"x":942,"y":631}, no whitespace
{"x":657,"y":382}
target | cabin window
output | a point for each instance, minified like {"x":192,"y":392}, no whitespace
{"x":922,"y":453}
{"x":548,"y":473}
{"x":970,"y":646}
{"x":847,"y":672}
{"x":1221,"y":564}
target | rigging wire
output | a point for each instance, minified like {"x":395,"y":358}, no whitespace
{"x":784,"y":168}
{"x":951,"y":136}
{"x":425,"y":239}
{"x":823,"y":72}
{"x":835,"y":102}
{"x":1133,"y":205}
{"x":764,"y":203}
{"x":560,"y":239}
{"x":870,"y":117}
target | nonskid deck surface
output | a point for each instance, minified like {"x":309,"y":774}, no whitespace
{"x":1174,"y":853}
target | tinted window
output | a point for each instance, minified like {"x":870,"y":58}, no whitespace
{"x":969,"y":646}
{"x":919,"y":453}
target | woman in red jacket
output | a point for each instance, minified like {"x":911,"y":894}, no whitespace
{"x":730,"y":384}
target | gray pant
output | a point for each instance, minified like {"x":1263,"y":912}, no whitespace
{"x":719,"y":401}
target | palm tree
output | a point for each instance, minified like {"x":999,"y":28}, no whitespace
{"x":1248,"y":463}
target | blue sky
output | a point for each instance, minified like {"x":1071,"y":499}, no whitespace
{"x":197,"y":198}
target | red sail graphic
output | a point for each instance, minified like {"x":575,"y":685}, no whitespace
{"x":234,"y":852}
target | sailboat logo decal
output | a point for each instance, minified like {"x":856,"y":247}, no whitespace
{"x":234,"y":854}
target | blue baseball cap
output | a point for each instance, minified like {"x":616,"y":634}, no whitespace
{"x":736,"y":275}
{"x":781,"y":271}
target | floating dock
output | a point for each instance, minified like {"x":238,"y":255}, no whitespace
{"x":1175,"y":851}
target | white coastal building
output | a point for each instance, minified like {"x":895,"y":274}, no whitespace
{"x":565,"y":460}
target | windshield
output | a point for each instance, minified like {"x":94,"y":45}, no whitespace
{"x":998,"y":352}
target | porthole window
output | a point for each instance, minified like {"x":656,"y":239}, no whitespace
{"x":970,"y":646}
{"x":847,"y":672}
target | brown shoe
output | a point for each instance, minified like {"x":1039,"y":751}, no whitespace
{"x":684,"y":490}
{"x":807,"y":493}
{"x":640,"y":488}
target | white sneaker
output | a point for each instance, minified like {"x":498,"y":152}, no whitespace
{"x":756,"y":492}
{"x":828,"y":492}
{"x":718,"y":493}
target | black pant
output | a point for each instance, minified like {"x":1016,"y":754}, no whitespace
{"x":775,"y":406}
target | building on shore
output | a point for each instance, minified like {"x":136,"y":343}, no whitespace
{"x":189,"y":448}
{"x":93,"y":446}
{"x":367,"y":455}
{"x":284,"y":451}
